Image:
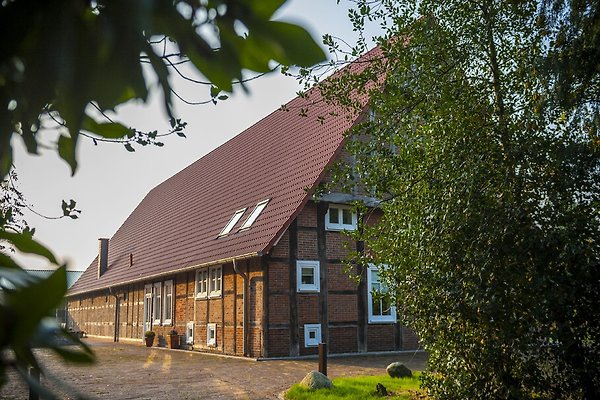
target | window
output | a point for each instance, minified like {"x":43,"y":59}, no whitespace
{"x":380,"y":307}
{"x":312,"y":335}
{"x":209,"y":282}
{"x":307,"y":276}
{"x":211,"y":335}
{"x":214,"y":289}
{"x":168,"y":304}
{"x":339,"y":218}
{"x":234,"y":220}
{"x":254,"y":214}
{"x":189,"y":333}
{"x":201,"y":283}
{"x":156,"y":306}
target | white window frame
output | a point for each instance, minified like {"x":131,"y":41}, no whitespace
{"x":215,"y":286}
{"x":308,"y":288}
{"x":391,"y":318}
{"x":308,"y":341}
{"x":232,"y":222}
{"x":211,"y":341}
{"x":340,"y":226}
{"x":168,"y":303}
{"x":254,"y":214}
{"x":157,"y":302}
{"x":189,"y":333}
{"x":202,"y":283}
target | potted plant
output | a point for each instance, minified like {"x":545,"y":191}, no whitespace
{"x":149,"y":336}
{"x":173,"y":339}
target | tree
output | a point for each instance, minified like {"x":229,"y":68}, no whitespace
{"x":484,"y":152}
{"x":66,"y":65}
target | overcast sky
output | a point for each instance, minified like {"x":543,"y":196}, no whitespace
{"x":111,"y":181}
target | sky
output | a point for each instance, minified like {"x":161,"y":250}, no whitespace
{"x":110,"y":181}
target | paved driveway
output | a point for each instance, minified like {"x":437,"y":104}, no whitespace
{"x":127,"y":371}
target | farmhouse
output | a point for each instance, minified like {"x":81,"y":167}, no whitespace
{"x":237,"y":255}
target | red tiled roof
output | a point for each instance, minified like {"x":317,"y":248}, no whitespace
{"x":176,"y":226}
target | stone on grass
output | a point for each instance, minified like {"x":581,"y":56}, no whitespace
{"x":316,"y":380}
{"x":398,"y":370}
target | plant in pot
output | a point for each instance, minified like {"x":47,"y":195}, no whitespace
{"x":149,"y":336}
{"x":173,"y":339}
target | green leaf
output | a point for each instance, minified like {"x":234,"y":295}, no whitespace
{"x":66,"y":150}
{"x":265,"y":9}
{"x":129,"y":147}
{"x":108,"y":130}
{"x":27,"y":244}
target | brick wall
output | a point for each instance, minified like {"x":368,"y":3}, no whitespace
{"x":341,"y":297}
{"x":94,"y":312}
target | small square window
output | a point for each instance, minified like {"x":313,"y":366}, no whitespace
{"x":312,"y":335}
{"x":211,"y":335}
{"x":340,"y":218}
{"x":307,"y":276}
{"x":189,"y":333}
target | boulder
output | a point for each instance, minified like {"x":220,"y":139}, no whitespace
{"x":398,"y":370}
{"x":316,"y":380}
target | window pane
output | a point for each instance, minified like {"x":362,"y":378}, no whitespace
{"x":308,"y":276}
{"x":346,"y":216}
{"x":334,"y":216}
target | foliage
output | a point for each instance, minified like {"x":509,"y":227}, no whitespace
{"x":66,"y":66}
{"x":488,"y":174}
{"x":76,"y":60}
{"x":360,"y":387}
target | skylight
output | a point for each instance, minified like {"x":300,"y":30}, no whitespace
{"x":234,"y":220}
{"x":255,"y":213}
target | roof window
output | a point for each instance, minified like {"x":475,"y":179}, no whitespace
{"x":255,"y":213}
{"x":234,"y":220}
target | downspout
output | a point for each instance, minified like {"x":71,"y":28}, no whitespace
{"x":244,"y":297}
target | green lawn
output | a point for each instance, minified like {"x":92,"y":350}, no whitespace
{"x":358,"y":387}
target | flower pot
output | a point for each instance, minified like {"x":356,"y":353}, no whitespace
{"x":149,"y":341}
{"x":173,"y":341}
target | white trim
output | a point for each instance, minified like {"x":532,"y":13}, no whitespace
{"x":308,"y":287}
{"x":234,"y":220}
{"x":211,"y":340}
{"x":189,"y":333}
{"x":254,"y":214}
{"x":168,"y":307}
{"x":340,"y":225}
{"x":316,"y":339}
{"x":389,"y":318}
{"x":157,"y":303}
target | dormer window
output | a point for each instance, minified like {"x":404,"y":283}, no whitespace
{"x":234,"y":220}
{"x":255,"y":213}
{"x":340,"y":218}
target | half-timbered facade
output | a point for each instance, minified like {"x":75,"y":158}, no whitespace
{"x":237,"y":256}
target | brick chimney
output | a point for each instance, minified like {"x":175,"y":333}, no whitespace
{"x":102,"y":256}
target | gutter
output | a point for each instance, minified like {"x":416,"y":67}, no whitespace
{"x":244,"y":308}
{"x":167,"y":273}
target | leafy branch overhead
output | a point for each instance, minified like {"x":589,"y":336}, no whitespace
{"x":74,"y":57}
{"x":483,"y":149}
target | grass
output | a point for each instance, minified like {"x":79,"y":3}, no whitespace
{"x":358,"y":387}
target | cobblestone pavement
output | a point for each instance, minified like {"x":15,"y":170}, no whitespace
{"x":129,"y":371}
